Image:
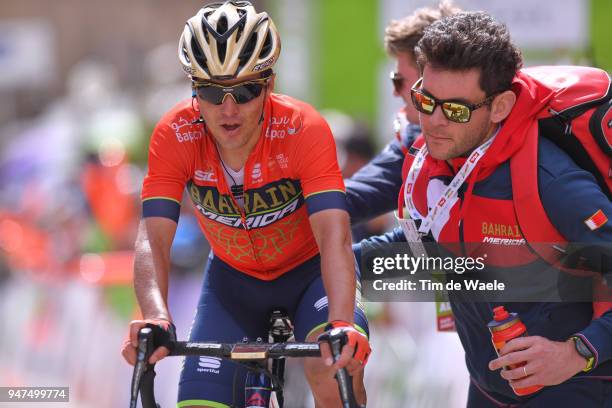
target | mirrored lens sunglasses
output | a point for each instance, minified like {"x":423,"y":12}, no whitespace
{"x":455,"y":111}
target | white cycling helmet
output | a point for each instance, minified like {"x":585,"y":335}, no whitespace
{"x":228,"y":40}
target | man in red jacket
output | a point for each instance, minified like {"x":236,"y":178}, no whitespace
{"x":475,"y":110}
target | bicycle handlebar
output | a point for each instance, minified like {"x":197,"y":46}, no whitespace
{"x":246,"y":351}
{"x":144,"y":373}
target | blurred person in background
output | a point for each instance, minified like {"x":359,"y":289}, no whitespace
{"x":359,"y":151}
{"x":261,"y":170}
{"x":66,"y":200}
{"x":371,"y":191}
{"x":355,"y":149}
{"x":353,"y":141}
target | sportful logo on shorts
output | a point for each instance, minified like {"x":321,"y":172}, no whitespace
{"x":209,"y":365}
{"x":209,"y":362}
{"x":321,"y":304}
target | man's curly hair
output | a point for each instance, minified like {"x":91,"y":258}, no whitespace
{"x":470,"y":40}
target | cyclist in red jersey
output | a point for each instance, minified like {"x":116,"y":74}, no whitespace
{"x":261,"y":170}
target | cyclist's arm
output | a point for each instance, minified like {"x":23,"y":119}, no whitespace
{"x":314,"y":158}
{"x":331,"y":231}
{"x":151,"y":270}
{"x":315,"y":164}
{"x":372,"y":191}
{"x":170,"y":168}
{"x":152,"y":266}
{"x":162,"y":191}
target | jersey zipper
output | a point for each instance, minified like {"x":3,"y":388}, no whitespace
{"x":247,"y":173}
{"x":240,"y":210}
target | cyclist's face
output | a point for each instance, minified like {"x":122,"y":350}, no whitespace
{"x":407,"y":69}
{"x":234,"y":126}
{"x":445,"y":139}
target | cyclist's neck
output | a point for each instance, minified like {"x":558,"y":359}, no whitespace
{"x":236,"y":158}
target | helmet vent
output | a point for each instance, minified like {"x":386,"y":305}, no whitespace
{"x":198,"y":54}
{"x":186,"y":55}
{"x":240,"y":27}
{"x":205,"y":25}
{"x":267,"y":46}
{"x":222,"y":25}
{"x":222,"y":42}
{"x":247,"y":52}
{"x":221,"y":50}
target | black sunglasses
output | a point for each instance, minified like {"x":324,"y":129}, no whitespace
{"x":242,"y":92}
{"x":397,"y":80}
{"x":455,"y":111}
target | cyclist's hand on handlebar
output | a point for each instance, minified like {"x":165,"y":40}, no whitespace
{"x":164,"y":338}
{"x":355,"y":350}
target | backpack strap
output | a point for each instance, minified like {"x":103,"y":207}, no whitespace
{"x":532,"y":218}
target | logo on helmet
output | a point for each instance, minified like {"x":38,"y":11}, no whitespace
{"x":263,"y":65}
{"x":189,"y":70}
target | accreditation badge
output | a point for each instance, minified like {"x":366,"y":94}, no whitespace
{"x":445,"y":320}
{"x":412,"y":234}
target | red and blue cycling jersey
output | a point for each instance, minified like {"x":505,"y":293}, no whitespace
{"x":291,"y":173}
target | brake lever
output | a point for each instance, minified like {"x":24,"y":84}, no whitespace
{"x":144,"y":373}
{"x":345,"y":381}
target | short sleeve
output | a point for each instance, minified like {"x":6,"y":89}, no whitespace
{"x":317,"y":165}
{"x":170,"y":161}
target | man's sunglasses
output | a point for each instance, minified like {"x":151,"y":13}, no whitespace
{"x":242,"y":92}
{"x":397,"y":79}
{"x":455,"y":111}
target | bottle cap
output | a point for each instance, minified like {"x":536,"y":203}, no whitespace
{"x":500,"y":314}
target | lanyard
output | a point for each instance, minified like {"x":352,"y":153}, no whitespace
{"x":442,"y":206}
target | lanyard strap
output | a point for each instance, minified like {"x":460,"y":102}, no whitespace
{"x":442,"y":206}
